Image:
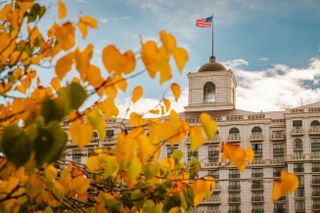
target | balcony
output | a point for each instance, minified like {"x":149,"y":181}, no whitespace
{"x":278,"y":136}
{"x":316,"y":206}
{"x":315,"y":156}
{"x":298,"y":156}
{"x":257,"y":186}
{"x":234,"y":187}
{"x":315,"y":181}
{"x":297,"y":131}
{"x":257,"y":198}
{"x":316,"y":193}
{"x":210,"y":164}
{"x":234,"y":137}
{"x":314,"y":131}
{"x":212,"y":199}
{"x":256,"y":137}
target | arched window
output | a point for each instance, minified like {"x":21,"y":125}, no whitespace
{"x":298,"y":146}
{"x":256,"y":129}
{"x":209,"y":92}
{"x":315,"y":124}
{"x":234,"y":130}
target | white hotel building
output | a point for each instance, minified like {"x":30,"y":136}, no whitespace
{"x":287,"y":140}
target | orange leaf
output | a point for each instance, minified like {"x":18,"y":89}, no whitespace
{"x":62,"y":10}
{"x":151,"y":57}
{"x":175,"y":88}
{"x":85,"y":22}
{"x":64,"y":65}
{"x":80,"y":133}
{"x":180,"y":55}
{"x":199,"y":187}
{"x":55,"y":83}
{"x":250,"y":154}
{"x":136,"y":94}
{"x":168,"y":41}
{"x":288,"y":183}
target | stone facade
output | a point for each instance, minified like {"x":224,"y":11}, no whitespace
{"x":283,"y":140}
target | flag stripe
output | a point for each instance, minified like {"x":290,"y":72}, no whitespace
{"x":204,"y":22}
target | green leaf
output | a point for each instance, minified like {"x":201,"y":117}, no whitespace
{"x":50,"y":143}
{"x":148,"y":207}
{"x":16,"y":145}
{"x":73,"y":96}
{"x":195,"y":166}
{"x":52,"y":110}
{"x":151,"y":169}
{"x":171,"y":202}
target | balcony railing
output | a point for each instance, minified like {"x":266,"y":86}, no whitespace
{"x":213,"y":199}
{"x":210,"y":164}
{"x":257,"y":186}
{"x":314,"y":131}
{"x":234,"y":137}
{"x":234,"y":187}
{"x":297,"y":131}
{"x":315,"y":181}
{"x":315,"y":206}
{"x":315,"y":156}
{"x":278,"y":136}
{"x":316,"y":194}
{"x":298,"y":156}
{"x":257,"y":198}
{"x":234,"y":199}
{"x":256,"y":137}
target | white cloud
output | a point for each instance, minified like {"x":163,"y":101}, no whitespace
{"x":104,"y":20}
{"x":276,"y":88}
{"x":263,"y":59}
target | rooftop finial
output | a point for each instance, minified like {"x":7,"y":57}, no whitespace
{"x":212,"y":59}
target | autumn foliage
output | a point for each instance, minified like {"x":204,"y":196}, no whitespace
{"x":33,"y":116}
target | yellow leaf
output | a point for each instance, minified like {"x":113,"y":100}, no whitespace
{"x":174,"y":120}
{"x":85,"y":22}
{"x":181,"y":57}
{"x":109,"y":108}
{"x":58,"y":190}
{"x":119,"y":82}
{"x":165,"y":73}
{"x":175,"y":210}
{"x":64,"y":65}
{"x":97,"y":122}
{"x":209,"y":125}
{"x":50,"y":173}
{"x":65,"y":35}
{"x":151,"y":57}
{"x":199,"y":187}
{"x":168,"y":41}
{"x":80,"y":133}
{"x":83,"y":61}
{"x":154,"y":111}
{"x":145,"y":148}
{"x":210,"y":185}
{"x":236,"y":154}
{"x":136,"y":119}
{"x":94,"y":76}
{"x":62,"y":10}
{"x":136,"y":94}
{"x":175,"y":88}
{"x":134,"y":168}
{"x":124,"y":150}
{"x":196,"y":138}
{"x":167,"y":104}
{"x":93,"y":163}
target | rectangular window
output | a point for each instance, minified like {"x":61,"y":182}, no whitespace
{"x":316,"y":179}
{"x":299,"y":192}
{"x":192,"y":154}
{"x":257,"y":196}
{"x":257,"y":148}
{"x":213,"y":153}
{"x":234,"y":185}
{"x":234,"y":197}
{"x":234,"y":209}
{"x":110,"y":133}
{"x":234,"y":173}
{"x":213,"y":208}
{"x":278,"y":151}
{"x":298,"y":167}
{"x":316,"y":203}
{"x":257,"y":185}
{"x":316,"y":191}
{"x":257,"y":208}
{"x":277,"y":171}
{"x":315,"y":145}
{"x":90,"y":151}
{"x":300,"y":206}
{"x":76,"y":154}
{"x":316,"y":167}
{"x":257,"y":172}
{"x":279,"y":208}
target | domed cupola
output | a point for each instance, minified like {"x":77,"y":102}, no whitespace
{"x":211,"y":66}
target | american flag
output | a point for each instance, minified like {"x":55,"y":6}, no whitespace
{"x":204,"y":22}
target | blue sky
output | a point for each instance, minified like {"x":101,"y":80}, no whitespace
{"x":271,"y":38}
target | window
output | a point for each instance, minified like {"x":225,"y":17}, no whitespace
{"x":256,"y":129}
{"x":257,"y":185}
{"x":234,"y":209}
{"x":95,"y":138}
{"x":298,"y":146}
{"x":213,"y":208}
{"x":315,"y":203}
{"x":234,"y":197}
{"x":316,"y":167}
{"x":257,"y":208}
{"x":90,"y":151}
{"x":299,"y":192}
{"x":316,"y":179}
{"x":257,"y":196}
{"x":298,"y":167}
{"x":234,"y":134}
{"x":213,"y":153}
{"x":315,"y":124}
{"x":257,"y":172}
{"x":234,"y":185}
{"x":297,"y":123}
{"x":110,"y":133}
{"x":234,"y":130}
{"x":171,"y":149}
{"x":315,"y":145}
{"x":278,"y":151}
{"x":209,"y":92}
{"x":234,"y":173}
{"x":192,"y":154}
{"x":76,"y":154}
{"x":257,"y":148}
{"x":277,"y":171}
{"x":299,"y":204}
{"x":316,"y":191}
{"x":279,"y":208}
{"x":214,"y":174}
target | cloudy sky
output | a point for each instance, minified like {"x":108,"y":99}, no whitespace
{"x":273,"y":47}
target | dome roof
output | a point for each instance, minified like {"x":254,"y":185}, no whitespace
{"x":211,"y":66}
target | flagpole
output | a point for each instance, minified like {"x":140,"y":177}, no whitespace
{"x":212,"y":31}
